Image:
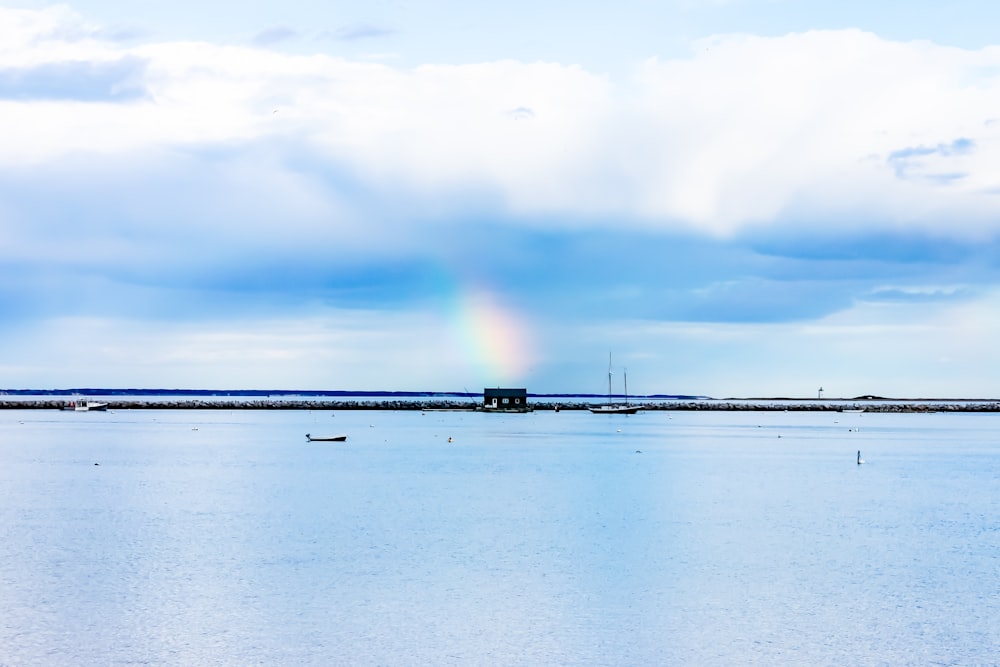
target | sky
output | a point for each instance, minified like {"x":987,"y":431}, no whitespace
{"x":731,"y":198}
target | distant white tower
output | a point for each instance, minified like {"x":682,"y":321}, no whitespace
{"x":820,"y":392}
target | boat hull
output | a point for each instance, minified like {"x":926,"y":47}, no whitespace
{"x":615,"y":409}
{"x":86,"y":406}
{"x":325,"y":438}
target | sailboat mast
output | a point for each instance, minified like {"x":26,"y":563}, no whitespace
{"x":610,"y":401}
{"x":625,"y":376}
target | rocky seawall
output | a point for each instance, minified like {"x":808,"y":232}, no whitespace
{"x":787,"y":405}
{"x":806,"y":406}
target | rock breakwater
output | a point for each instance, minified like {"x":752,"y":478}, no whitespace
{"x":787,"y":405}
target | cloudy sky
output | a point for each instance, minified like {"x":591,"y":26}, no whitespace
{"x":733,"y":197}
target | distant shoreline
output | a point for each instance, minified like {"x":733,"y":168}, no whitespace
{"x":467,"y":405}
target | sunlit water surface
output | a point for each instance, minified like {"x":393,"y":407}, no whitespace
{"x":690,"y":538}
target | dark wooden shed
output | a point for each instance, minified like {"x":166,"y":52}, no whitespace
{"x":505,"y":399}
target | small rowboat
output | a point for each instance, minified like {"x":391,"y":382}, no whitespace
{"x":325,"y":438}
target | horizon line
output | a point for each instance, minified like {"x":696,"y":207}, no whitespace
{"x":134,"y":391}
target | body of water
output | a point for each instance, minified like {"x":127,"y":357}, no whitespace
{"x":207,"y":537}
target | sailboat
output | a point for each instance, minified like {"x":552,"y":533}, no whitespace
{"x":612,"y":408}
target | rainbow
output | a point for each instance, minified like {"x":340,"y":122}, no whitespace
{"x":496,"y":340}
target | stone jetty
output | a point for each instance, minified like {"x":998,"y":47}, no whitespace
{"x":467,"y":405}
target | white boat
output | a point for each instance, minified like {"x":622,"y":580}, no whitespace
{"x":613,"y":408}
{"x":325,"y":438}
{"x":86,"y":406}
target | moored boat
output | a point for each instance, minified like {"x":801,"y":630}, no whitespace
{"x":325,"y":438}
{"x":86,"y":406}
{"x":613,"y":408}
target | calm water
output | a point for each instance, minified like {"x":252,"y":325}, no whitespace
{"x":224,"y":538}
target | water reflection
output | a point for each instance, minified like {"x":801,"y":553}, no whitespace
{"x":694,"y":538}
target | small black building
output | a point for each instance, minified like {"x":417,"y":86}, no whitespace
{"x":505,"y":400}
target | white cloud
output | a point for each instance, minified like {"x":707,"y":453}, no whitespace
{"x":746,"y":130}
{"x":328,"y":349}
{"x":903,"y":350}
{"x":922,"y":350}
{"x":751,"y":126}
{"x":235,"y":182}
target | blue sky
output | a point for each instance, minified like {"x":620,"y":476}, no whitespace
{"x":734,"y":197}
